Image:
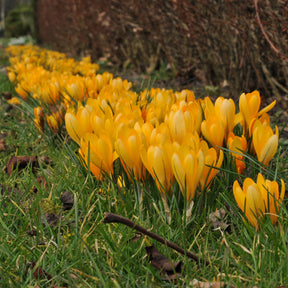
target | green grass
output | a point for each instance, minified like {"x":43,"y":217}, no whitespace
{"x":82,"y":251}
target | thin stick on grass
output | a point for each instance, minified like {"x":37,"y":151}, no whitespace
{"x":114,"y":218}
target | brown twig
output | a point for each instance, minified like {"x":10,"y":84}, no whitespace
{"x":265,"y":34}
{"x":114,"y":218}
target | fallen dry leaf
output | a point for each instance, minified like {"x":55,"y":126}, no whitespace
{"x":217,"y":220}
{"x":21,"y":162}
{"x":162,"y":263}
{"x":67,"y":199}
{"x":52,"y":219}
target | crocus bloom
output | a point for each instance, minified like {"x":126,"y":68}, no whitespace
{"x":93,"y":168}
{"x":78,"y":124}
{"x":249,"y":105}
{"x":225,"y":109}
{"x":177,"y":124}
{"x":255,"y":199}
{"x":14,"y":101}
{"x":196,"y":110}
{"x":99,"y":150}
{"x":75,"y":89}
{"x":265,"y":142}
{"x":11,"y":76}
{"x":160,"y":105}
{"x":160,"y":135}
{"x":187,"y":167}
{"x":239,"y":145}
{"x":39,"y":118}
{"x":264,"y":119}
{"x":127,"y":145}
{"x":53,"y":123}
{"x":186,"y":95}
{"x":270,"y":193}
{"x":214,"y":131}
{"x":22,"y":91}
{"x":157,"y":160}
{"x":211,"y":159}
{"x":249,"y":200}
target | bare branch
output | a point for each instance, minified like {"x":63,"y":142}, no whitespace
{"x":114,"y":218}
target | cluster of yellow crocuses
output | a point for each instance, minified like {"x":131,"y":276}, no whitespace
{"x":171,"y":136}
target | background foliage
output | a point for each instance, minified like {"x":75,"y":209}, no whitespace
{"x":239,"y":44}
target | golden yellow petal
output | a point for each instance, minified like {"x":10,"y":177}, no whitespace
{"x":255,"y":206}
{"x":159,"y":167}
{"x":133,"y":144}
{"x":73,"y":128}
{"x":179,"y":172}
{"x":269,"y":150}
{"x":177,"y":126}
{"x":239,"y":195}
{"x":267,"y":108}
{"x":123,"y":153}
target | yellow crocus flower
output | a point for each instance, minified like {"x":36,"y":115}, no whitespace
{"x":78,"y":124}
{"x":225,"y":109}
{"x":255,"y":199}
{"x":265,"y":142}
{"x":214,"y":131}
{"x":99,"y":150}
{"x":144,"y":131}
{"x":249,"y":200}
{"x":195,"y":109}
{"x":39,"y":118}
{"x":127,"y":145}
{"x":177,"y":125}
{"x":270,"y":193}
{"x":160,"y":135}
{"x":249,"y":105}
{"x":186,"y":95}
{"x":211,"y":159}
{"x":53,"y":123}
{"x":14,"y":101}
{"x":22,"y":90}
{"x":239,"y":145}
{"x":11,"y":76}
{"x":157,"y":160}
{"x":187,"y":167}
{"x":75,"y":88}
{"x":93,"y":168}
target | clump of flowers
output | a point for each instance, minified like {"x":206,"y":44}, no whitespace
{"x":170,"y":136}
{"x":258,"y":199}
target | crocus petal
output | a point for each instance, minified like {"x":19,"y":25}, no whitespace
{"x":267,"y":108}
{"x":254,"y":206}
{"x":73,"y":127}
{"x":239,"y":195}
{"x":269,"y":150}
{"x":178,"y":172}
{"x":282,"y":190}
